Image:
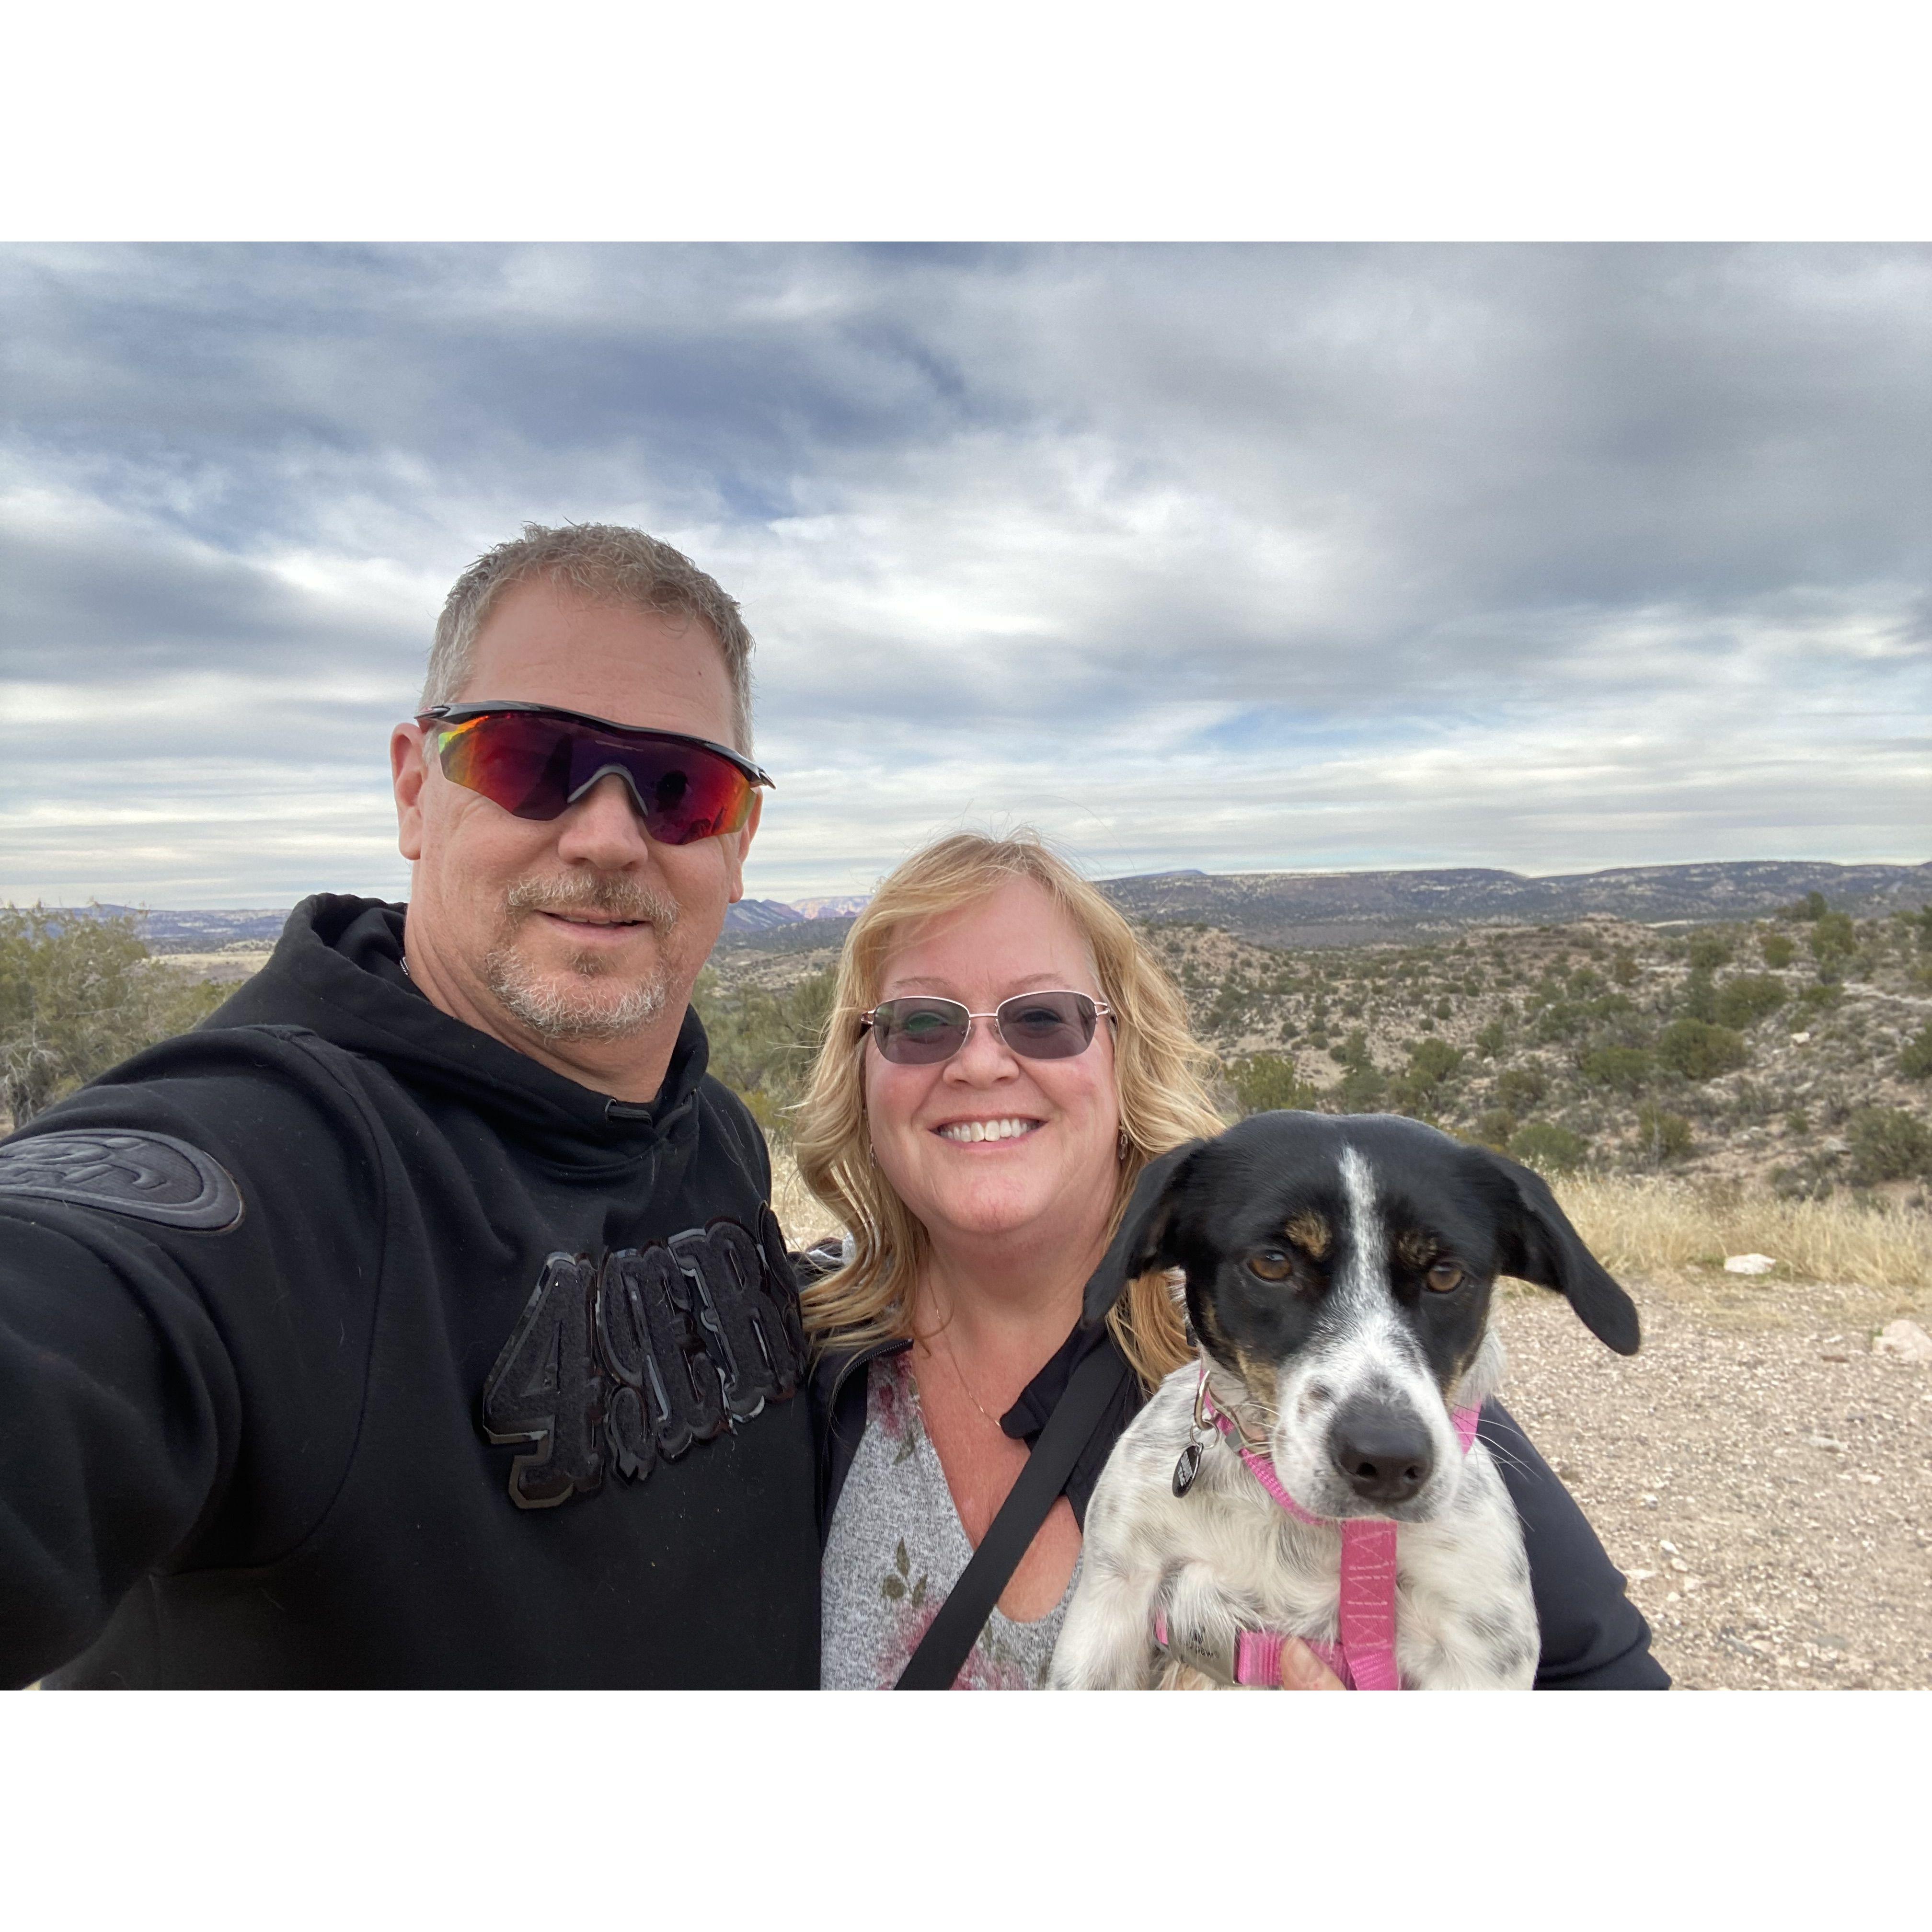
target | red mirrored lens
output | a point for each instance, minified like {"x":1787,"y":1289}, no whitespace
{"x":536,"y":766}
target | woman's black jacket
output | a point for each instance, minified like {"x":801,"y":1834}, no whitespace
{"x":1593,"y":1637}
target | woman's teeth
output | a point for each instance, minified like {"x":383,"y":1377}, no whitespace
{"x":987,"y":1130}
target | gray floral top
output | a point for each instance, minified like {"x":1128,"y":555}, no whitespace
{"x":897,"y":1546}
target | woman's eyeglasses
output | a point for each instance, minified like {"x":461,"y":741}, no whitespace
{"x":922,"y":1032}
{"x":536,"y":762}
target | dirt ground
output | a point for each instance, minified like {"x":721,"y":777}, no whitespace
{"x":1761,"y":1477}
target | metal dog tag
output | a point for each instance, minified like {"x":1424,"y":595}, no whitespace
{"x":1187,"y":1469}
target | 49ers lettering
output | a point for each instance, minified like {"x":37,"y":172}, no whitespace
{"x":640,"y":1354}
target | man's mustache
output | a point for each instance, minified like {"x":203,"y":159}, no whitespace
{"x":615,"y":897}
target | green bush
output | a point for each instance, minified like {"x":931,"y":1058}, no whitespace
{"x":762,"y":1043}
{"x":1661,"y":1137}
{"x":1778,"y":949}
{"x":1746,"y":998}
{"x":1490,"y":1041}
{"x":1628,"y":1069}
{"x":1709,"y":951}
{"x":1833,"y":940}
{"x":79,"y":994}
{"x":1554,"y":1149}
{"x":1887,"y":1144}
{"x":1362,"y":1090}
{"x":1816,"y":999}
{"x":1624,"y":967}
{"x":1265,"y":1083}
{"x":1699,"y":999}
{"x":1915,"y":1061}
{"x":1495,"y":1128}
{"x":1520,"y":1088}
{"x":1700,"y":1052}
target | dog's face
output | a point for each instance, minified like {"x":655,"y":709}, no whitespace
{"x":1341,"y":1268}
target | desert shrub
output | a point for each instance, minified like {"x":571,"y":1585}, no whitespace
{"x":1709,"y":951}
{"x":1562,"y":1019}
{"x":1811,"y":906}
{"x":1699,"y":999}
{"x":1833,"y":941}
{"x":762,"y":1043}
{"x":1362,"y":1090}
{"x":1914,"y":1059}
{"x":1817,"y":999}
{"x":1887,"y":1144}
{"x":1544,"y":1144}
{"x":1623,"y":966}
{"x":78,"y":995}
{"x":1265,"y":1083}
{"x":1661,"y":1137}
{"x":1747,"y":998}
{"x":1778,"y":949}
{"x":1490,"y":1041}
{"x":1521,"y":1088}
{"x":1495,"y":1127}
{"x":1627,"y":1070}
{"x":1700,"y":1052}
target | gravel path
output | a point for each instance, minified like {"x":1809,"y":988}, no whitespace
{"x":1765,"y":1482}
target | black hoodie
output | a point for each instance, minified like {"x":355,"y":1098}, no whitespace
{"x":340,"y":1344}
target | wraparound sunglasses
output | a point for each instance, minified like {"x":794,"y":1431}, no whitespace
{"x":536,"y":761}
{"x":922,"y":1032}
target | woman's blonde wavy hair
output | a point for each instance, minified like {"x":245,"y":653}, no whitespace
{"x":1160,"y":1070}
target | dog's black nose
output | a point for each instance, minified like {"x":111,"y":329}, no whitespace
{"x":1384,"y":1452}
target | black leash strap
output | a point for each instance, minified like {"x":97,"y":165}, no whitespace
{"x":1089,"y":1393}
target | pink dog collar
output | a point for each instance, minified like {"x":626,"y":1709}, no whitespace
{"x":1364,"y":1660}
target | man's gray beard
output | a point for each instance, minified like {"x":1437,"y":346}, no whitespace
{"x":581,"y":1007}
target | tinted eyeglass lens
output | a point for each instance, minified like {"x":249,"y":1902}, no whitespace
{"x":535,"y":767}
{"x":920,"y":1033}
{"x":1036,"y":1026}
{"x":1047,"y":1026}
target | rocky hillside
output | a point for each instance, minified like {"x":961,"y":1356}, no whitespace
{"x":1794,"y":1051}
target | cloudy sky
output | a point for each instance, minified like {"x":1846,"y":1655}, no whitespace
{"x":1241,"y":557}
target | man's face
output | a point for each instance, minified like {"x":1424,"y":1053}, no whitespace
{"x":581,"y":928}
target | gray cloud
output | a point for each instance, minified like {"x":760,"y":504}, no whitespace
{"x":1549,"y":556}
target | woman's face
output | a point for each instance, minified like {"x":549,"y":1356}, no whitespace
{"x":1056,"y":1174}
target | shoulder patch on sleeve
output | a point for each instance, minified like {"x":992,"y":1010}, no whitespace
{"x":152,"y":1177}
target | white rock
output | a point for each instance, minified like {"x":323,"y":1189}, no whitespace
{"x":1639,"y":1576}
{"x":1748,"y":1264}
{"x":1906,"y":1339}
{"x":1799,"y":1039}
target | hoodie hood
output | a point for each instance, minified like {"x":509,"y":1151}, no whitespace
{"x":337,"y":971}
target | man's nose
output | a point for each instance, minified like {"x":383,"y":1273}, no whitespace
{"x":605,"y":828}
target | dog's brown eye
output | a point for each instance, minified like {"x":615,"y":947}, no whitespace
{"x":1443,"y":1276}
{"x":1271,"y":1265}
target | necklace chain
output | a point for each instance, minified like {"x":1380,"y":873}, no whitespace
{"x":959,"y":1376}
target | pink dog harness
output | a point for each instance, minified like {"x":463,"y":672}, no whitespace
{"x":1364,"y":1660}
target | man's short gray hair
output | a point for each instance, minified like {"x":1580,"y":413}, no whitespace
{"x":607,"y":563}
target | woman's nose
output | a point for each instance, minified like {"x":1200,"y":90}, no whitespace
{"x":985,"y":1056}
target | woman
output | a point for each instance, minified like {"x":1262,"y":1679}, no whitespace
{"x":1003,"y":1057}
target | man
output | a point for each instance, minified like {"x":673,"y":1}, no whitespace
{"x":419,"y":1320}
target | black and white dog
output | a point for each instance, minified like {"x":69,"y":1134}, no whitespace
{"x":1339,"y":1275}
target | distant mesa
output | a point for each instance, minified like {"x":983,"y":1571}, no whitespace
{"x":1298,"y":908}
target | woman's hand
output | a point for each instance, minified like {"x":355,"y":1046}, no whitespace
{"x":1301,"y":1669}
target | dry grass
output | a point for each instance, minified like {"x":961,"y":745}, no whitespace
{"x":1663,"y":1230}
{"x":804,"y":1218}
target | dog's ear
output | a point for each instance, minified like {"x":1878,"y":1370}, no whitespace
{"x":1141,"y":1242}
{"x":1539,"y":1245}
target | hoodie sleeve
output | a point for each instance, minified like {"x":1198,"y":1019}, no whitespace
{"x":1593,"y":1637}
{"x":120,"y":1416}
{"x":187,"y":1275}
